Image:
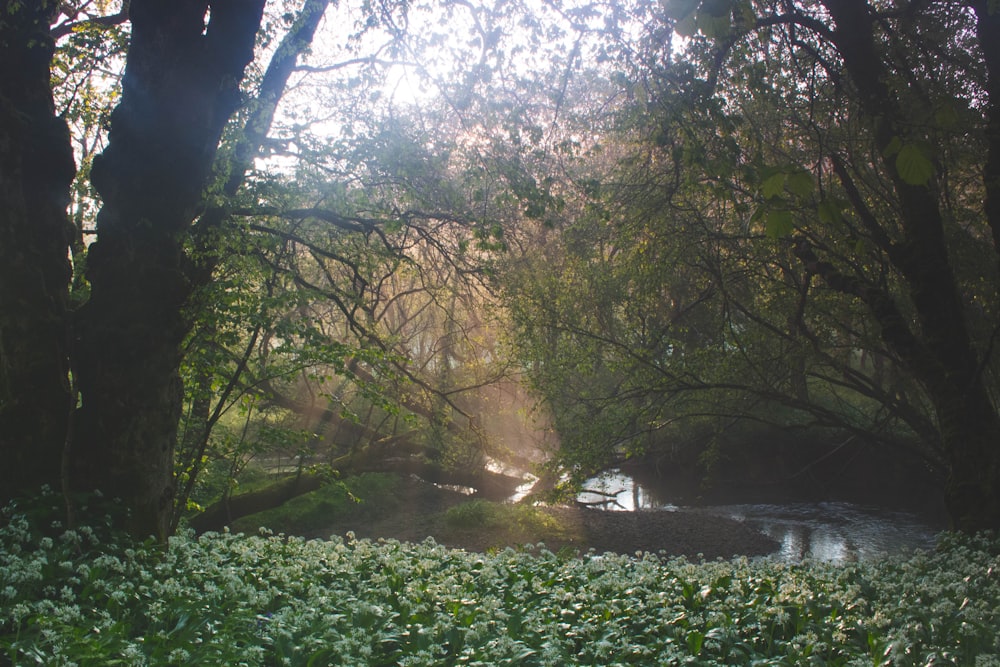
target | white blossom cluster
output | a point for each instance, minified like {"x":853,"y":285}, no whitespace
{"x":74,"y":599}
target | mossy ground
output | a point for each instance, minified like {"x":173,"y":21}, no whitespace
{"x":390,"y":506}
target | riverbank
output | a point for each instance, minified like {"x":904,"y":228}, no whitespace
{"x":87,"y":598}
{"x":691,"y":534}
{"x":408,"y":509}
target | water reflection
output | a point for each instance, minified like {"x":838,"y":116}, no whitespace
{"x":836,"y":532}
{"x":618,"y":491}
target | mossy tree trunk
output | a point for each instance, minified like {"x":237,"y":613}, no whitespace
{"x":180,"y":86}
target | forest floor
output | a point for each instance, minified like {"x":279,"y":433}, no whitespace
{"x":422,"y":510}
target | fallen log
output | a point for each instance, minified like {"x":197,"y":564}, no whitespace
{"x":222,"y":513}
{"x":485,"y":484}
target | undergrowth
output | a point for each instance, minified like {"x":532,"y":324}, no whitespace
{"x":86,"y":597}
{"x":362,"y":497}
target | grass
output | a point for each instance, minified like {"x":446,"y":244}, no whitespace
{"x":84,"y":597}
{"x":502,"y":523}
{"x":363,"y":497}
{"x":370,"y":498}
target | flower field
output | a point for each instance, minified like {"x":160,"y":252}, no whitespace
{"x":76,"y":598}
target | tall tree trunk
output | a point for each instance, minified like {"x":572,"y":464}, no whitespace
{"x":36,"y":169}
{"x":939,"y":351}
{"x":181,"y":85}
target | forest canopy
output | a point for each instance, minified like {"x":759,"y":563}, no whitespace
{"x":422,"y":236}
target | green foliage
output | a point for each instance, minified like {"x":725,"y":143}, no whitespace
{"x":365,"y":496}
{"x":729,"y":254}
{"x":914,"y":165}
{"x":779,"y":223}
{"x":84,"y":598}
{"x":265,"y":346}
{"x":505,"y":523}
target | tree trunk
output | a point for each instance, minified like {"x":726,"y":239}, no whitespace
{"x":970,"y":430}
{"x":36,"y":169}
{"x":219,"y":515}
{"x":938,"y":351}
{"x":180,"y":86}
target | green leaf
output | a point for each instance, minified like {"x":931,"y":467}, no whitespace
{"x":713,"y":26}
{"x":773,"y":186}
{"x":695,"y":640}
{"x":828,"y":211}
{"x":687,"y":26}
{"x":800,"y":183}
{"x":717,"y":8}
{"x":743,"y":11}
{"x":893,"y":147}
{"x":946,"y":116}
{"x":779,"y":223}
{"x":913,"y":165}
{"x":679,"y":9}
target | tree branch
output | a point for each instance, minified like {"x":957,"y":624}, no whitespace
{"x":71,"y":25}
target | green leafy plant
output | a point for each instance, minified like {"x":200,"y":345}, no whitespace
{"x":87,"y":597}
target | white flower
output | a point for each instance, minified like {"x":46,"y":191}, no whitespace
{"x":179,"y":656}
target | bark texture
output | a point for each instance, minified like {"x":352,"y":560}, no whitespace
{"x":181,"y":85}
{"x":937,"y":348}
{"x":36,"y":169}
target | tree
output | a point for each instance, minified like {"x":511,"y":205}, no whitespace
{"x":92,"y":394}
{"x":899,"y":74}
{"x":36,"y":169}
{"x":376,"y":342}
{"x":385,"y":231}
{"x":180,"y":87}
{"x":800,"y":229}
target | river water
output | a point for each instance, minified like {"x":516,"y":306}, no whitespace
{"x":836,"y":532}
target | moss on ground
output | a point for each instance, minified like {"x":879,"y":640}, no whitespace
{"x":364,"y":497}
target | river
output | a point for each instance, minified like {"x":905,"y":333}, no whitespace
{"x":835,"y":532}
